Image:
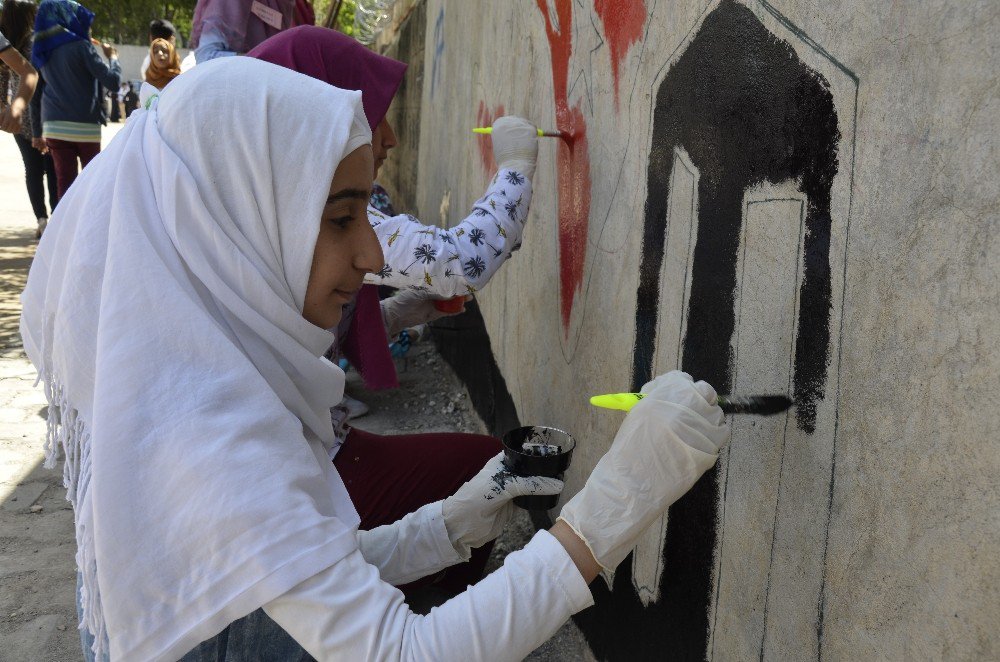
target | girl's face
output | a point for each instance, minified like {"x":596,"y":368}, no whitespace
{"x":161,"y":55}
{"x":346,"y":248}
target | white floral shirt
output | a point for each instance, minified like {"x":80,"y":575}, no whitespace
{"x":459,"y":260}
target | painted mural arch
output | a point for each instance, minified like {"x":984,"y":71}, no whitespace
{"x":741,"y":284}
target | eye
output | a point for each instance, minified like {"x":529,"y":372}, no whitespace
{"x":342,"y":221}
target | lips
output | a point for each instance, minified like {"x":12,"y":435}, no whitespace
{"x":346,"y":295}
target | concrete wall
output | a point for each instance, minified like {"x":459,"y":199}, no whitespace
{"x":775,"y":196}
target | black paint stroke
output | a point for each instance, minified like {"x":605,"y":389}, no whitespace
{"x":747,"y":110}
{"x":464,"y":344}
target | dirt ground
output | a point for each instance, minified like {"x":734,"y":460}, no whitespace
{"x":37,"y":547}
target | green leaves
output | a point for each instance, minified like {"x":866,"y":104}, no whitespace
{"x":127,"y":21}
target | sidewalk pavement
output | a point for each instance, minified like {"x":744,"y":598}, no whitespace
{"x":37,"y":545}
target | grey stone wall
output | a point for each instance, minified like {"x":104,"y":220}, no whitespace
{"x":776,"y":196}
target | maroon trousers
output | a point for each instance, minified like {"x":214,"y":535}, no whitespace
{"x":64,"y":156}
{"x":391,"y":476}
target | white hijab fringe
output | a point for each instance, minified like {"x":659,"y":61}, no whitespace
{"x":67,"y":432}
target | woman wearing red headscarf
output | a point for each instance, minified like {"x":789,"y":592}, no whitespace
{"x":427,"y":263}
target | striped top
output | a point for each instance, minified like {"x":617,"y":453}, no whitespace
{"x":74,"y":132}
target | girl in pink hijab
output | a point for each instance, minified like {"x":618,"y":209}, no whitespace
{"x":425,"y":263}
{"x":233,"y":27}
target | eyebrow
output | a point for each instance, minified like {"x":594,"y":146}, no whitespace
{"x":348,"y":193}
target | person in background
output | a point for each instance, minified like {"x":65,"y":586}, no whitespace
{"x":164,"y":65}
{"x":120,"y":97}
{"x":14,"y":36}
{"x":74,"y":73}
{"x":116,"y":111}
{"x":130,"y":98}
{"x":159,"y":28}
{"x":233,"y":27}
{"x":18,"y":80}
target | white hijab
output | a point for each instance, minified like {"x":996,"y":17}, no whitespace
{"x":163,"y":312}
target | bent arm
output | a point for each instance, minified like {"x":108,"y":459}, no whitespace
{"x":415,"y":546}
{"x":109,"y":75}
{"x":25,"y":89}
{"x":347,"y":613}
{"x":462,"y":259}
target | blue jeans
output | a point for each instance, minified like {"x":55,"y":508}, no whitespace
{"x":253,"y":638}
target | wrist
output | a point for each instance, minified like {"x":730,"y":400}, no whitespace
{"x":577,"y":549}
{"x":523,"y":166}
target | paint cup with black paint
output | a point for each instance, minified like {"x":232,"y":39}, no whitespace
{"x":537,"y":450}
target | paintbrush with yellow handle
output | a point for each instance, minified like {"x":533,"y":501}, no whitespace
{"x":761,"y":405}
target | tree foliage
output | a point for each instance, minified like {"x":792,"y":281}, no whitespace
{"x":127,"y":21}
{"x":345,"y":19}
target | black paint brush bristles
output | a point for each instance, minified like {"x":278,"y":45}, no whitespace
{"x":762,"y":405}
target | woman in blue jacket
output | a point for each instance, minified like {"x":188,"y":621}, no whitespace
{"x":74,"y":74}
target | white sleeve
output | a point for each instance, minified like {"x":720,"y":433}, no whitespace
{"x":413,"y":547}
{"x":347,"y":613}
{"x":459,"y":260}
{"x":144,"y":67}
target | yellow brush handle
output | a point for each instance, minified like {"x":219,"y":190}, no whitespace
{"x":487,"y":130}
{"x":622,"y":401}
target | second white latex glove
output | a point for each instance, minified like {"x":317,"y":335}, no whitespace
{"x":481,"y":508}
{"x":408,"y":308}
{"x":667,"y":441}
{"x":515,"y":144}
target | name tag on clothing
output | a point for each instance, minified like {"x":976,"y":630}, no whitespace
{"x":270,"y":16}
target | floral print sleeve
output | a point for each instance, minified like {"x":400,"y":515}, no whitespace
{"x":462,"y":259}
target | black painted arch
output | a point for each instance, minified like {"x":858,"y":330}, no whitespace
{"x":746,"y":109}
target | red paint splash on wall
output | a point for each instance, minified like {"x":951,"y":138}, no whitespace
{"x":484,"y":117}
{"x":623,"y":21}
{"x":572,"y":157}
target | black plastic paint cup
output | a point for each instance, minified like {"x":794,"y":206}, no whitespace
{"x":536,"y":450}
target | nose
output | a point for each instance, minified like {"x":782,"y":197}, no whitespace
{"x":388,"y":135}
{"x":369,"y":258}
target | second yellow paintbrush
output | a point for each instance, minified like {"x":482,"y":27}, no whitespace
{"x":762,"y":405}
{"x":487,"y":130}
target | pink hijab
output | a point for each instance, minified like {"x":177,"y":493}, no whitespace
{"x":339,"y":60}
{"x":240,"y":27}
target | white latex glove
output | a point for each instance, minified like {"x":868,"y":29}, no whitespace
{"x":515,"y":144}
{"x":667,"y":441}
{"x":409,"y":308}
{"x":481,"y":508}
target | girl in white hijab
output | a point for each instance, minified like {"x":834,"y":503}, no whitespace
{"x":176,"y":311}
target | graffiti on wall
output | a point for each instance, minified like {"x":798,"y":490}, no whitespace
{"x":573,"y":160}
{"x":623,"y":21}
{"x":438,"y":51}
{"x":747,"y":202}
